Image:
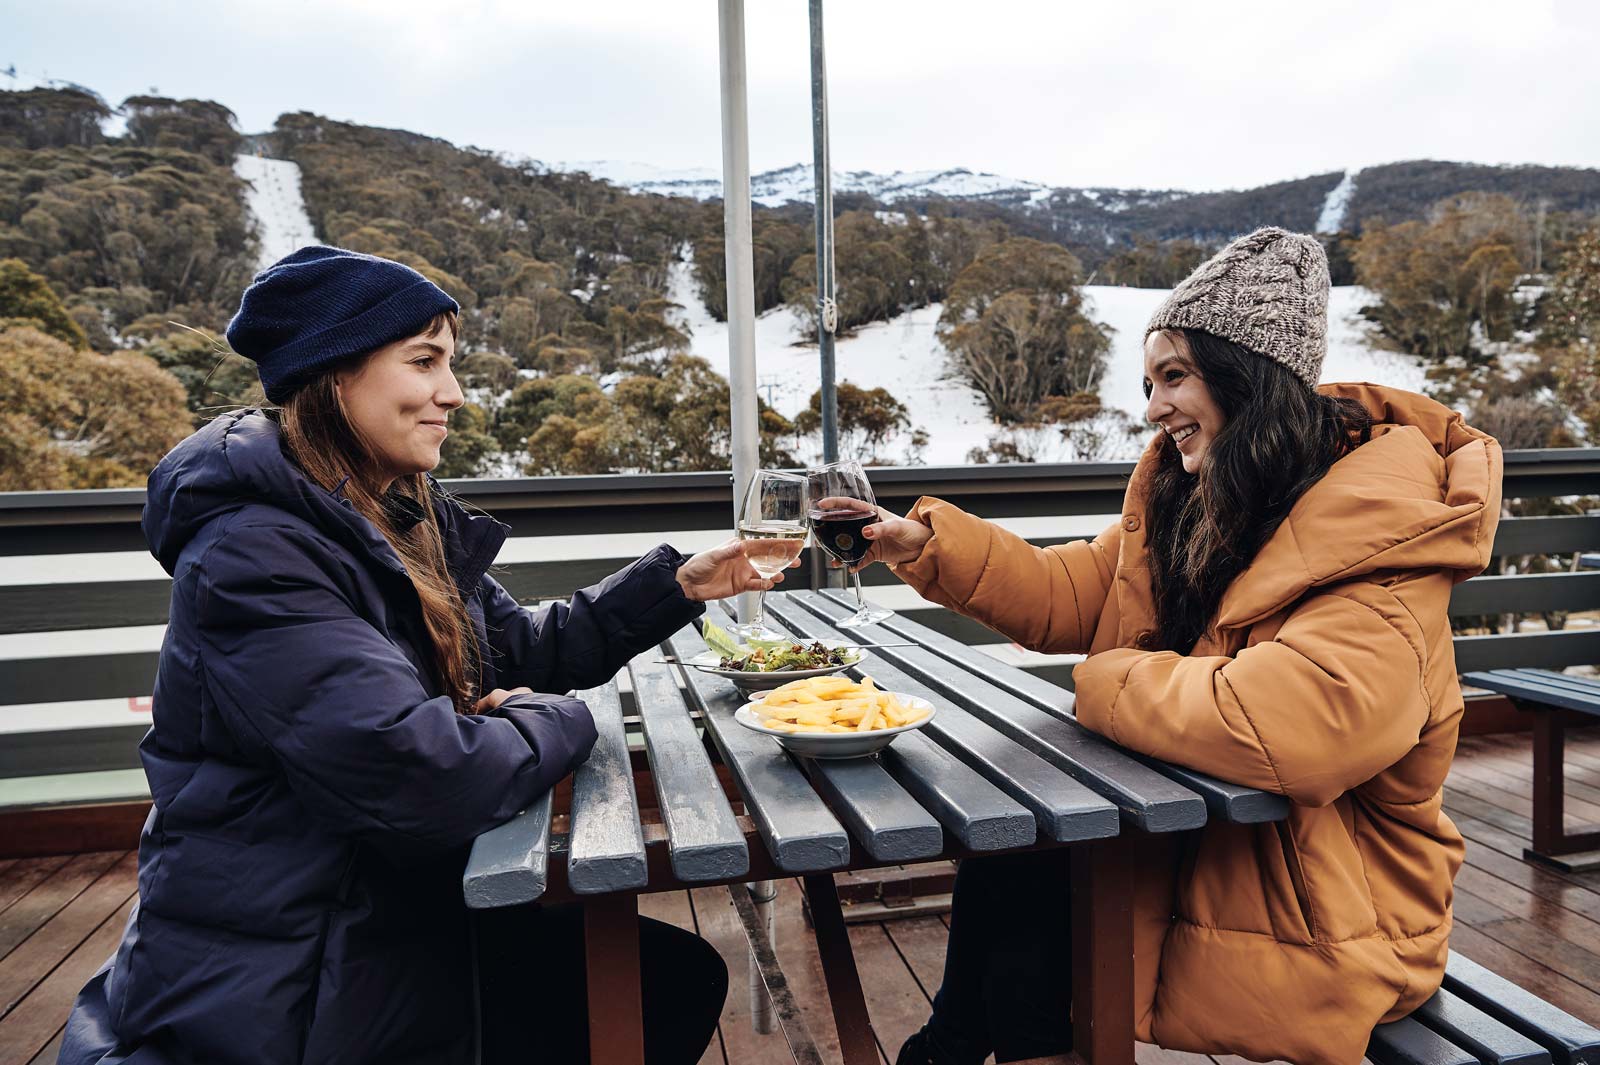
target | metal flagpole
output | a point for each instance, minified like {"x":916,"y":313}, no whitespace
{"x":822,"y":167}
{"x":740,"y":267}
{"x":741,"y":349}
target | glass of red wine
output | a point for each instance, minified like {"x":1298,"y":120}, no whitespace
{"x":772,"y":522}
{"x":843,"y":486}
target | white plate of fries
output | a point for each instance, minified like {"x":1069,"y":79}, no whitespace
{"x":833,"y":717}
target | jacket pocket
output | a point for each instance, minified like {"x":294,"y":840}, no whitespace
{"x":1297,"y":877}
{"x":1239,"y":881}
{"x":341,"y":897}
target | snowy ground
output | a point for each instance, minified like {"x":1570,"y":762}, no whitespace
{"x":275,"y":203}
{"x":905,"y":357}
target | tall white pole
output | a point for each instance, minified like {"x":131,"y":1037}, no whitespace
{"x":741,"y":349}
{"x":822,"y":170}
{"x":740,"y":266}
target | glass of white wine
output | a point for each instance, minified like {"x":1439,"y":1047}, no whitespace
{"x":772,"y":521}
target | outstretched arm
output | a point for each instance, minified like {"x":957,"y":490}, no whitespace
{"x":588,"y":639}
{"x":1045,"y":598}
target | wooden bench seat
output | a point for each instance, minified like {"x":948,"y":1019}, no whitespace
{"x":1478,"y":1017}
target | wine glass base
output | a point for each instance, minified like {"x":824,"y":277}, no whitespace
{"x":867,"y":615}
{"x":755,"y":632}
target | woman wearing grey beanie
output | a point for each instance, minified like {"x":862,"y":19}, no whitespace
{"x":1270,"y":608}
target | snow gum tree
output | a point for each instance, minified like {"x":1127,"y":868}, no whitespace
{"x":1445,"y":286}
{"x":1571,"y":326}
{"x":72,"y":418}
{"x":1017,"y":329}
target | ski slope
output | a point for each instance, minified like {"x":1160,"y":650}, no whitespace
{"x":277,"y":206}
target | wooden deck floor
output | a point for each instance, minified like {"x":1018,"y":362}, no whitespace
{"x":61,"y":917}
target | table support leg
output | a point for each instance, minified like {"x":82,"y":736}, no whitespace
{"x":1102,"y":953}
{"x":763,"y":893}
{"x":1553,"y":845}
{"x":611,"y":954}
{"x":1548,"y":789}
{"x":857,"y":1045}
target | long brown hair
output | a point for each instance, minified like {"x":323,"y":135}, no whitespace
{"x":323,"y":443}
{"x":1279,"y":439}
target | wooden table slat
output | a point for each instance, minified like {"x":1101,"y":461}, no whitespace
{"x":1064,"y":808}
{"x":1225,"y":801}
{"x":947,"y":787}
{"x":800,"y":832}
{"x":881,"y":815}
{"x":703,"y":838}
{"x":510,"y":864}
{"x":1147,"y":799}
{"x":606,"y":844}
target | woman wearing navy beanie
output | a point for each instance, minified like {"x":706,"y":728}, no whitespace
{"x":345,"y":700}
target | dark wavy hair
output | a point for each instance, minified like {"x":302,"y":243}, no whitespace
{"x":1278,"y":439}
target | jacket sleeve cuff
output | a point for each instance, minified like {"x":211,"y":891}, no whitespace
{"x":559,"y":730}
{"x":1097,"y":682}
{"x":950,"y":564}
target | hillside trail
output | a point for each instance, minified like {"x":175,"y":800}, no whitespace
{"x":276,"y":205}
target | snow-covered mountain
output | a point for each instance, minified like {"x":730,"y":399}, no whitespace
{"x":903,"y":355}
{"x":792,"y":184}
{"x":1035,"y":208}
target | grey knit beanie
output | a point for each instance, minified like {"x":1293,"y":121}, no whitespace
{"x":1267,"y":291}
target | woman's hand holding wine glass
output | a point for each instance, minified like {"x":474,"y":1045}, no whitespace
{"x":890,"y":539}
{"x":728,"y":569}
{"x":772,"y":531}
{"x":840,"y":530}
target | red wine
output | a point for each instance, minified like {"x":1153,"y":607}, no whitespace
{"x":838,"y":532}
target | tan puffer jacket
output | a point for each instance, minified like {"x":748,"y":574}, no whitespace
{"x":1331,"y":680}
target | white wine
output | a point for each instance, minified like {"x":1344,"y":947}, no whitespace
{"x":774,"y":544}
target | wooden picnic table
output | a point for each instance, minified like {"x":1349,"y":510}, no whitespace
{"x":1003,"y":766}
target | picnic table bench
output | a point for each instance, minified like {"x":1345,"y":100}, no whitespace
{"x":1003,"y":766}
{"x":1555,"y":700}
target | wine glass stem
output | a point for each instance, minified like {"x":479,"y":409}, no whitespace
{"x":758,"y":617}
{"x":861,"y":600}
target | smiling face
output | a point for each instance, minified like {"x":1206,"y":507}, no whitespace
{"x":1180,"y":401}
{"x":399,"y":399}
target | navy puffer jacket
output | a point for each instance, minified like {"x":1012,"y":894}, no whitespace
{"x":315,"y":792}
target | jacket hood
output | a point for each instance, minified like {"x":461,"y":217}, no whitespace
{"x":237,"y":460}
{"x":1423,"y":493}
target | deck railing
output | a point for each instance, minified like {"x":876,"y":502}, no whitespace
{"x":82,"y":604}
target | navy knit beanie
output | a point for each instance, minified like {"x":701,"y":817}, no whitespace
{"x":320,"y":305}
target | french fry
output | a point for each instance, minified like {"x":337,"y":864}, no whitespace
{"x":832,"y":704}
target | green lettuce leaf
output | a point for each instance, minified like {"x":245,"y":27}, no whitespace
{"x":721,"y":641}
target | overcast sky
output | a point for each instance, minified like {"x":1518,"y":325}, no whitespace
{"x":1220,"y":94}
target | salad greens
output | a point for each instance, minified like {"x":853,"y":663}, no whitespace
{"x":772,"y":656}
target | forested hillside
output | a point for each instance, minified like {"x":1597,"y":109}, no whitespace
{"x":126,"y":239}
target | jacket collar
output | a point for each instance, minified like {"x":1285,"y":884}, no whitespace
{"x":1423,"y":493}
{"x":238,"y":459}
